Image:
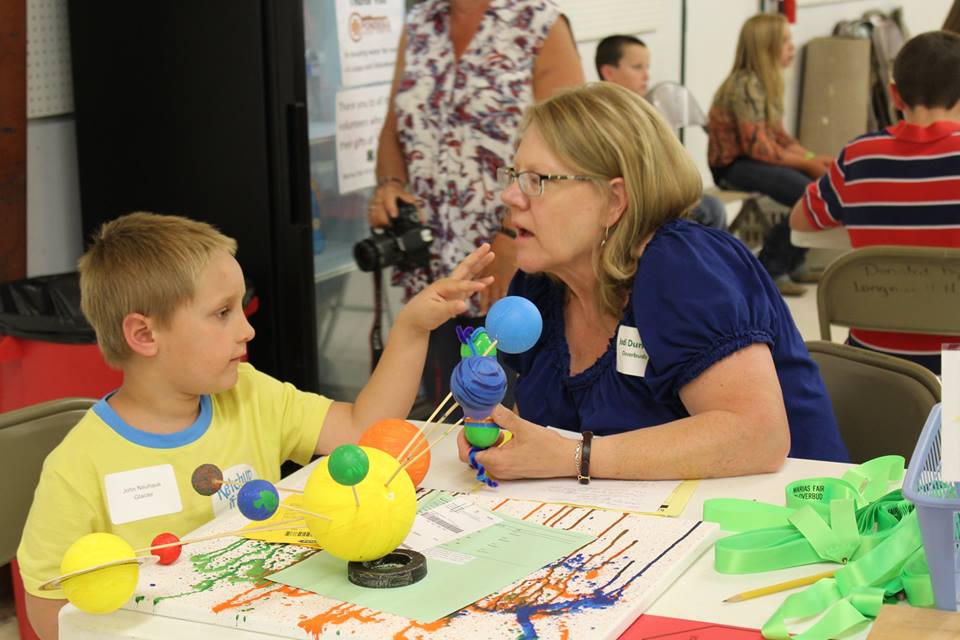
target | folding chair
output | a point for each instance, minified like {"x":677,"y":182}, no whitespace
{"x":881,"y":402}
{"x":892,"y":288}
{"x":681,"y":110}
{"x":27,"y":435}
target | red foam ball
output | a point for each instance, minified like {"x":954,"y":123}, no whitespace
{"x":167,"y":555}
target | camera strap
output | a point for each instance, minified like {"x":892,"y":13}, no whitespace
{"x":376,"y":331}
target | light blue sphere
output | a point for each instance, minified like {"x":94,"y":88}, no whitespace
{"x":515,"y":324}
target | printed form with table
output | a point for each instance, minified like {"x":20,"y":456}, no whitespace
{"x":526,"y":559}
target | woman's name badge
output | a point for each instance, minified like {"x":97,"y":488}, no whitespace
{"x":142,"y":493}
{"x":632,"y":358}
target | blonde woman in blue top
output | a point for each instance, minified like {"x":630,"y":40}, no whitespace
{"x":664,"y":338}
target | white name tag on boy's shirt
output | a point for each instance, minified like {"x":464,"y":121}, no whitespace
{"x":142,"y":493}
{"x":632,"y":358}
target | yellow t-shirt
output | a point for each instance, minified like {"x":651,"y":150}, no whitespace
{"x":107,"y":476}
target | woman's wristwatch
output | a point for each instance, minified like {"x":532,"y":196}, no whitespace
{"x":582,"y":457}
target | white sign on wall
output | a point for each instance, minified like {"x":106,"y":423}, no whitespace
{"x":596,"y":19}
{"x":368,"y":31}
{"x":360,"y":115}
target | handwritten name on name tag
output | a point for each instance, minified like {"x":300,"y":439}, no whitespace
{"x":632,"y":358}
{"x":142,"y":493}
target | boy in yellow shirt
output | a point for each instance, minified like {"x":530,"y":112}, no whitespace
{"x":164,"y":296}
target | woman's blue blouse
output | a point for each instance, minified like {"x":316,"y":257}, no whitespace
{"x":698,"y":296}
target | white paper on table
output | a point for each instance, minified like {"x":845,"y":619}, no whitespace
{"x":448,"y":522}
{"x":638,"y":496}
{"x":623,"y":495}
{"x":950,"y":414}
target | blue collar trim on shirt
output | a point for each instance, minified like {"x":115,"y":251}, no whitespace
{"x":156,"y":440}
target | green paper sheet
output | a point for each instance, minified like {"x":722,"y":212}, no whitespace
{"x":500,"y":555}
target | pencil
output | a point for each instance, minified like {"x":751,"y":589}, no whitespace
{"x":781,"y":586}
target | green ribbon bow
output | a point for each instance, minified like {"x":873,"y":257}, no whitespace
{"x":852,"y":521}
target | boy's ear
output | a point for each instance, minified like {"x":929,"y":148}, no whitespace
{"x":896,"y":98}
{"x":606,"y":72}
{"x":138,"y":332}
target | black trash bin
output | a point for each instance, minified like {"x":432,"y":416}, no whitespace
{"x":48,"y":349}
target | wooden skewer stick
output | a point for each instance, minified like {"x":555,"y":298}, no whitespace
{"x":433,"y":415}
{"x":428,"y":433}
{"x":288,"y":489}
{"x":356,"y":498}
{"x":419,"y":455}
{"x":780,"y":586}
{"x":232,"y":483}
{"x":278,"y":526}
{"x":304,"y":511}
{"x":430,"y":426}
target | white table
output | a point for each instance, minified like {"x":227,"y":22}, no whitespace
{"x":836,"y":238}
{"x":697,"y":595}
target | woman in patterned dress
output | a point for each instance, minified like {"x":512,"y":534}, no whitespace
{"x":465,"y":72}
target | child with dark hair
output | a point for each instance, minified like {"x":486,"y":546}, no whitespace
{"x":901,"y":185}
{"x":625,"y":60}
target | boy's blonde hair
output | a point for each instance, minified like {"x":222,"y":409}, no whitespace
{"x":143,"y":263}
{"x":605,"y":131}
{"x":758,"y":52}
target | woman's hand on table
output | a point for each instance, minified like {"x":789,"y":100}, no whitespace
{"x":533,"y":451}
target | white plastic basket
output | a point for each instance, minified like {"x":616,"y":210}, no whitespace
{"x":938,"y":503}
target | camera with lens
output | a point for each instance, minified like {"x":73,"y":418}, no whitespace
{"x":405,"y":243}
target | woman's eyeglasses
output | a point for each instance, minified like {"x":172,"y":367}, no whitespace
{"x":531,"y":182}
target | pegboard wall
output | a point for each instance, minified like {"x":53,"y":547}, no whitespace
{"x":49,"y":79}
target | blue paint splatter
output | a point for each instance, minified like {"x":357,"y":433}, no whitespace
{"x":598,"y":598}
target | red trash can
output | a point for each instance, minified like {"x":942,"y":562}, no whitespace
{"x":47,"y":348}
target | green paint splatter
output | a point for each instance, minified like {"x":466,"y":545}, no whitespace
{"x":248,"y":567}
{"x":139,"y":599}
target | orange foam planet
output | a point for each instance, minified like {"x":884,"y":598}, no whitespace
{"x":393,"y":436}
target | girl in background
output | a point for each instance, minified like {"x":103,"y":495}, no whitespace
{"x":750,"y":150}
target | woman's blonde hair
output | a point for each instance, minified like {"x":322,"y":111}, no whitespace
{"x":605,"y":131}
{"x":143,"y":263}
{"x":759,"y":48}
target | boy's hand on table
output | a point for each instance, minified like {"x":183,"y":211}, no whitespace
{"x":447,"y":297}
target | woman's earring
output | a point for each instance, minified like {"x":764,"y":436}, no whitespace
{"x":606,"y":232}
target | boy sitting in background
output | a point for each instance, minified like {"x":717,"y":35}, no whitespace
{"x":625,"y":60}
{"x":164,"y":296}
{"x":900,"y":186}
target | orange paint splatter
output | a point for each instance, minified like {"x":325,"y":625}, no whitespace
{"x":339,"y":614}
{"x":245,"y":598}
{"x":537,"y":508}
{"x":436,"y":625}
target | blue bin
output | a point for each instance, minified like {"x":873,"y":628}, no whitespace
{"x":937,"y":505}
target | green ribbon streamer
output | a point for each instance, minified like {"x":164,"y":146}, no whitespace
{"x":849,"y":520}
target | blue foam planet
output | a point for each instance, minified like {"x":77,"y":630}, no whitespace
{"x":515,"y":324}
{"x":478,"y":384}
{"x":258,"y":499}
